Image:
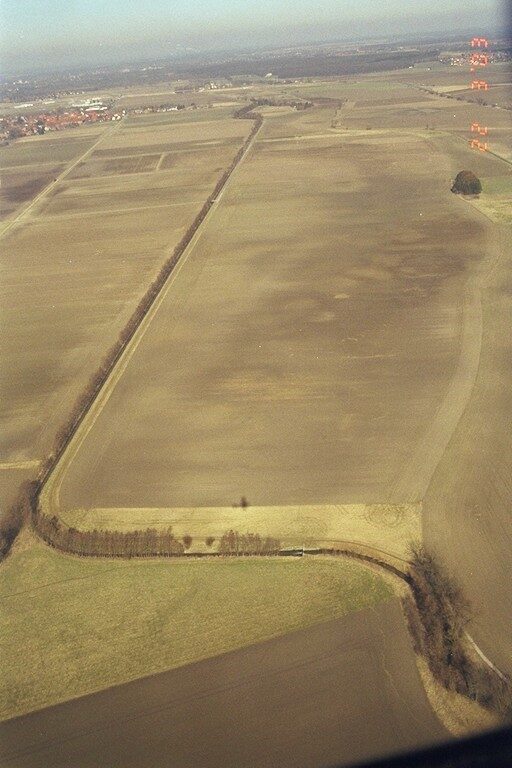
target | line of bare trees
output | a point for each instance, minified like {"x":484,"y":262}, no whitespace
{"x":25,"y":505}
{"x":299,"y":104}
{"x":148,"y":542}
{"x":235,"y":543}
{"x":438,"y":614}
{"x":138,"y":543}
{"x":402,"y":572}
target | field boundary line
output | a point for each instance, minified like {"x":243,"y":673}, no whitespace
{"x":487,"y":151}
{"x":160,"y":161}
{"x":22,"y":464}
{"x":28,"y":166}
{"x":485,"y":659}
{"x":107,"y":211}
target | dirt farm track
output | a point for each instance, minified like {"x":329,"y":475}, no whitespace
{"x":294,"y":701}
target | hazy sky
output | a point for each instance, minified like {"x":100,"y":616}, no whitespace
{"x":69,"y":31}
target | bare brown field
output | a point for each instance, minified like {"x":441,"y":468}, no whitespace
{"x":102,"y":193}
{"x":173,"y":134}
{"x":79,"y":263}
{"x":50,"y":148}
{"x":19,"y":186}
{"x":467,"y":506}
{"x":331,"y":370}
{"x":470,"y":105}
{"x":496,"y":95}
{"x":109,"y":166}
{"x":176,"y":147}
{"x":309,"y":375}
{"x":339,"y":692}
{"x":207,"y":111}
{"x":78,"y":294}
{"x":436,"y":73}
{"x":28,"y":165}
{"x":203,"y":100}
{"x":299,"y":124}
{"x":393,"y":100}
{"x":179,"y":178}
{"x":435,"y":112}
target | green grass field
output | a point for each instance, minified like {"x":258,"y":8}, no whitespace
{"x":183,"y":116}
{"x":499,"y":186}
{"x":496,"y":197}
{"x":72,"y":626}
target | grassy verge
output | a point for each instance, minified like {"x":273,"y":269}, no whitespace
{"x":496,"y":198}
{"x":384,"y":526}
{"x":71,"y":626}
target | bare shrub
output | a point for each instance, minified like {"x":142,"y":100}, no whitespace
{"x":235,"y":543}
{"x":187,"y":541}
{"x":416,"y":628}
{"x":209,"y":541}
{"x":467,"y":183}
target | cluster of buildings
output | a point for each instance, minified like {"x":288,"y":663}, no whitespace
{"x":29,"y":124}
{"x":152,"y":109}
{"x":464,"y":59}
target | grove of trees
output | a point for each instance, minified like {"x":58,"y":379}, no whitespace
{"x":466,"y":183}
{"x":438,"y":615}
{"x":138,"y":543}
{"x":235,"y":543}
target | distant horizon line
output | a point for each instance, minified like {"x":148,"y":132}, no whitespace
{"x":183,"y":52}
